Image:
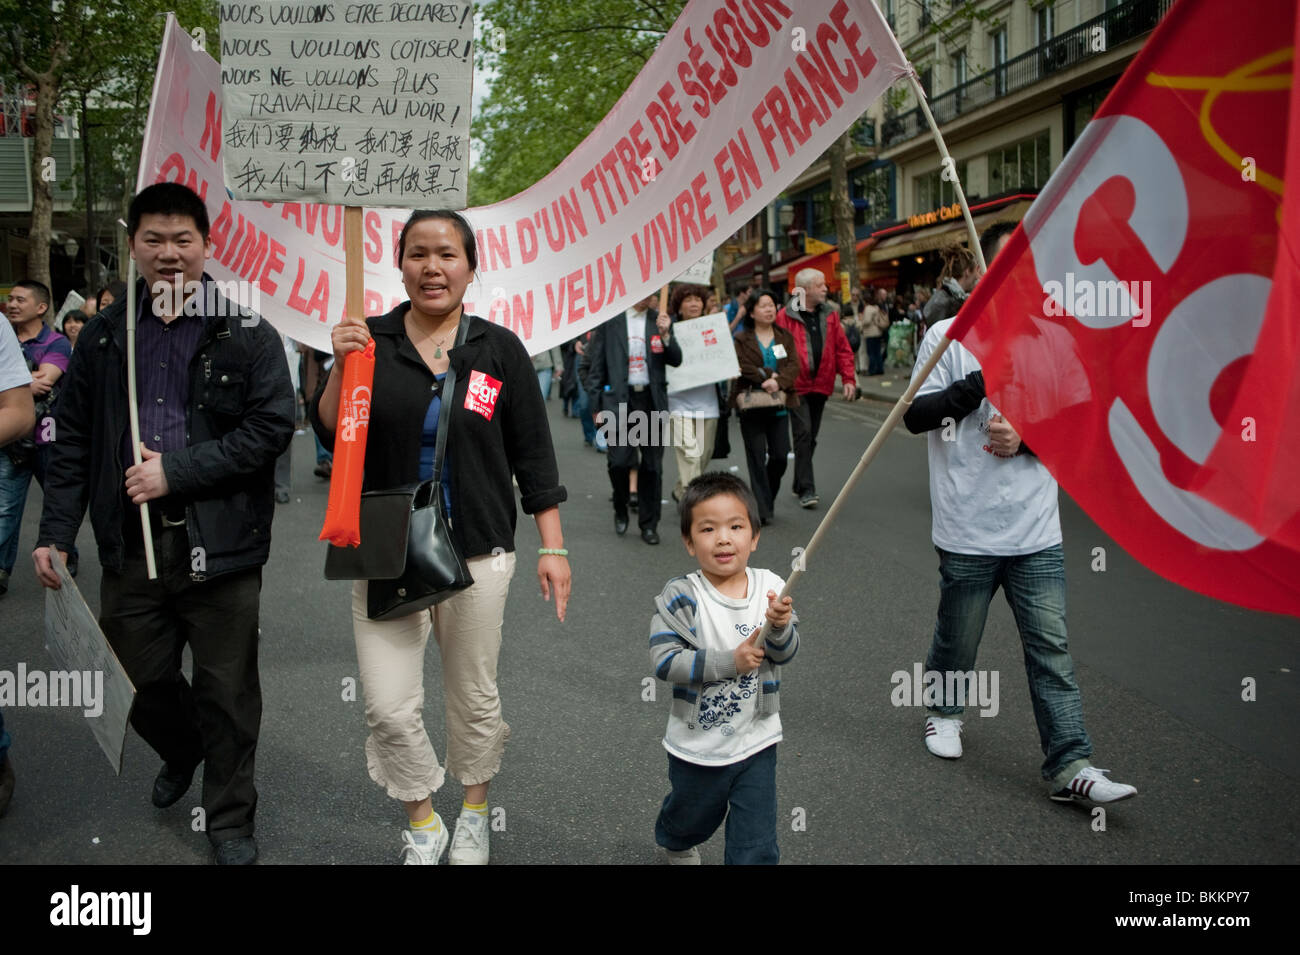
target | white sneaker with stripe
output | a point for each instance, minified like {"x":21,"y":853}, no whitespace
{"x":1091,"y":785}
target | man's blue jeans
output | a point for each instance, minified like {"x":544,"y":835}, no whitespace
{"x":1034,"y":585}
{"x":582,"y":411}
{"x":14,"y":482}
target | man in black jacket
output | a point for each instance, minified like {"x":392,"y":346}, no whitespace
{"x":216,"y":410}
{"x":626,"y":377}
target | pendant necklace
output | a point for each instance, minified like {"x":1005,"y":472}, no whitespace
{"x":437,"y":344}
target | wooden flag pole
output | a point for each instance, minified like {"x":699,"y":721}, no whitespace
{"x":904,"y":401}
{"x":133,"y":411}
{"x":354,"y":264}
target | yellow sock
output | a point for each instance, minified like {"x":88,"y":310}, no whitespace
{"x":481,"y":808}
{"x":432,"y":824}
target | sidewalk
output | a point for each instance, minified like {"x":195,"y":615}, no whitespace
{"x":886,"y":387}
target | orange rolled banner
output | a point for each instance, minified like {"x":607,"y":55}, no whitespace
{"x":343,"y":514}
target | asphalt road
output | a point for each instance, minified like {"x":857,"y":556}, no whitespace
{"x":1161,"y":671}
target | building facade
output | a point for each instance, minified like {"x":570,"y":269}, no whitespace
{"x":1011,"y":84}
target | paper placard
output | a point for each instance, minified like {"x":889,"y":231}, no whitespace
{"x":708,"y":353}
{"x":73,"y":638}
{"x":701,"y":273}
{"x":347,"y":103}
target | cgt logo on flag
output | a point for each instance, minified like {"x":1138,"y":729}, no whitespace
{"x":482,"y":394}
{"x":1126,"y":412}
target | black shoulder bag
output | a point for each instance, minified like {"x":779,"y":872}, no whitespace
{"x":407,"y":552}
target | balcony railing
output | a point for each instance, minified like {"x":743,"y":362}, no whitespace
{"x":1117,"y":25}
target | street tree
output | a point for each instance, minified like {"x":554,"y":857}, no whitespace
{"x":556,"y":70}
{"x":106,"y":52}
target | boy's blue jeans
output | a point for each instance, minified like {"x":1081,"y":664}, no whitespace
{"x":1034,"y":585}
{"x":692,"y":812}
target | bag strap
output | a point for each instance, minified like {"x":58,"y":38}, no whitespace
{"x":444,"y":411}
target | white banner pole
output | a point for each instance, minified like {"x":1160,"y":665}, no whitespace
{"x":134,"y":411}
{"x":905,"y":400}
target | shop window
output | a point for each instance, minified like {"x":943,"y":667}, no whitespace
{"x":932,"y":191}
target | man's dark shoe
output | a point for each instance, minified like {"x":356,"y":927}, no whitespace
{"x":170,"y":786}
{"x":4,"y":582}
{"x":6,"y":785}
{"x":649,"y":535}
{"x":323,"y":469}
{"x":632,"y":502}
{"x":282,"y":497}
{"x":620,"y":524}
{"x":242,"y":850}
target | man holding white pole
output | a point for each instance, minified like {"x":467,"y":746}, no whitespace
{"x":216,"y":408}
{"x":996,"y":524}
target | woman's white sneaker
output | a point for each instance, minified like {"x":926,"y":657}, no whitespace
{"x":422,"y":847}
{"x":943,"y":736}
{"x":470,"y":844}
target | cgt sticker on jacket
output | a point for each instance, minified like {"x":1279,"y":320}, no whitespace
{"x":482,"y":394}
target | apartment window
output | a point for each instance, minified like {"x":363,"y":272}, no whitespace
{"x":927,"y":16}
{"x":998,"y":56}
{"x":1023,"y":165}
{"x":887,"y":8}
{"x":926,"y":76}
{"x":1043,"y":25}
{"x":823,"y":215}
{"x":932,"y":190}
{"x":959,"y":68}
{"x":872,"y":185}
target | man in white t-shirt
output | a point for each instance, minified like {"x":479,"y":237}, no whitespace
{"x":996,"y":524}
{"x":17,"y":418}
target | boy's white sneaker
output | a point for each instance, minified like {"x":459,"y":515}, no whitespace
{"x":943,"y":736}
{"x":470,"y":844}
{"x":422,"y":847}
{"x":689,"y":856}
{"x":1091,"y":785}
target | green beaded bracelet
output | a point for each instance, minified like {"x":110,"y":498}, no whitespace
{"x":554,"y":551}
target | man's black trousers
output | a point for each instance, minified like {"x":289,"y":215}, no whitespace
{"x":805,"y":422}
{"x":623,"y":458}
{"x":215,"y":721}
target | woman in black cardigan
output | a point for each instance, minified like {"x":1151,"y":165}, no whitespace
{"x":497,"y":429}
{"x":765,"y":353}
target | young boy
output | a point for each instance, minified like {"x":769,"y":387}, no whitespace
{"x":723,"y":727}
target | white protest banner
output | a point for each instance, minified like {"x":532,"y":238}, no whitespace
{"x":347,"y":103}
{"x":738,"y":99}
{"x":73,"y":638}
{"x":708,"y":353}
{"x":701,"y":273}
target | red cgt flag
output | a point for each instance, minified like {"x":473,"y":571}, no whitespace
{"x":1123,"y":329}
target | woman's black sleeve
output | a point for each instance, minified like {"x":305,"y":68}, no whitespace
{"x":956,"y":401}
